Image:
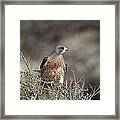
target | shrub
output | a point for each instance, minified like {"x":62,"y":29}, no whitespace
{"x":32,"y":87}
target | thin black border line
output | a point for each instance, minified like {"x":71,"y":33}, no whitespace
{"x":116,"y":3}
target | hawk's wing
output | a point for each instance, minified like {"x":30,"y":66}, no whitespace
{"x":43,"y":62}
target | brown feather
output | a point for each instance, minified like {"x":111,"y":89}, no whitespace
{"x":54,"y":68}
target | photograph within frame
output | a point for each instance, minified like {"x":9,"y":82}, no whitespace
{"x":45,"y":74}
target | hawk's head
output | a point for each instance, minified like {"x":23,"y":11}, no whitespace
{"x":60,"y":50}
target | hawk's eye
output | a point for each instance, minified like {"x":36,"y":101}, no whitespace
{"x":61,"y":48}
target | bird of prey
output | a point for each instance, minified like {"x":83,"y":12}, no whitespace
{"x":53,"y":67}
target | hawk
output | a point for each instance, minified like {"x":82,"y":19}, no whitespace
{"x":53,"y":67}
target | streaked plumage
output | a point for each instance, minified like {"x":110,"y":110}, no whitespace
{"x":53,"y":67}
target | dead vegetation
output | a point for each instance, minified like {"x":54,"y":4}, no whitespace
{"x":32,"y":87}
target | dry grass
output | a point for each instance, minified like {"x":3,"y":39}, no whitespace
{"x":32,"y":87}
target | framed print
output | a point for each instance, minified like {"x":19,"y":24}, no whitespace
{"x":60,"y":60}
